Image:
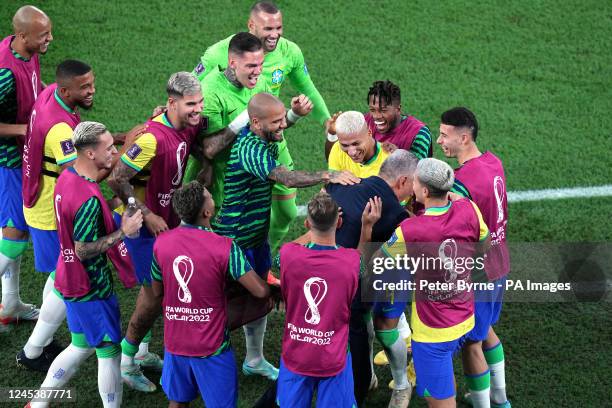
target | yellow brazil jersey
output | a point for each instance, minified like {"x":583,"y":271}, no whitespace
{"x":396,"y":246}
{"x":339,"y":161}
{"x":139,"y":157}
{"x":57,"y":152}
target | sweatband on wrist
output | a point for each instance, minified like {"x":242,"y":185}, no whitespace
{"x":239,"y":122}
{"x":292,"y":116}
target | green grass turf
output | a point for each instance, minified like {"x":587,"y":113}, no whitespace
{"x":537,"y":74}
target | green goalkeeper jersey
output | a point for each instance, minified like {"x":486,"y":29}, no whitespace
{"x":285,"y":62}
{"x":223,"y":101}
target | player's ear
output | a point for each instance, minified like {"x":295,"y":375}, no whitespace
{"x":306,"y":224}
{"x":250,"y":24}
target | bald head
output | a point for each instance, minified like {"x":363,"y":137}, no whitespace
{"x":32,"y":29}
{"x":267,"y":115}
{"x":26,"y":16}
{"x":262,"y":104}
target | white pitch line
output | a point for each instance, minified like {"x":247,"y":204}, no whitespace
{"x":537,"y":195}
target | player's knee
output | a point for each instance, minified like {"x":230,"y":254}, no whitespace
{"x":107,"y":349}
{"x":13,"y":248}
{"x":472,"y":349}
{"x":14,"y":233}
{"x":387,"y":337}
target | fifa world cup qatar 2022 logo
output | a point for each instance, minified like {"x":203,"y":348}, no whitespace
{"x":315,"y":289}
{"x":182,"y":267}
{"x":500,"y":192}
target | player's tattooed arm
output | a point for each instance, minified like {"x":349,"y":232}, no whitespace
{"x":88,"y":250}
{"x":119,"y":182}
{"x":215,"y":143}
{"x":298,"y":178}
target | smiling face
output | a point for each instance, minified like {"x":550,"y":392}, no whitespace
{"x":247,"y":67}
{"x":267,"y":27}
{"x":103,"y":152}
{"x":386,"y":117}
{"x":359,"y":146}
{"x":38,"y":35}
{"x":271,"y":124}
{"x":80,"y":90}
{"x":451,"y":139}
{"x":188,"y":109}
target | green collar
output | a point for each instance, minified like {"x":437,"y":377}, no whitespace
{"x":377,"y":149}
{"x":438,"y":210}
{"x":186,"y":225}
{"x":165,"y":120}
{"x":61,"y":103}
{"x":16,"y":54}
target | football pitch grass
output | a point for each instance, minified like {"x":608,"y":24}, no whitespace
{"x":538,"y":75}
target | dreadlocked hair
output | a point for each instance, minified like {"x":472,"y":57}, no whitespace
{"x":387,"y":93}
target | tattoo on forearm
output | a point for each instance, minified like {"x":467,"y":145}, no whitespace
{"x":214,"y":144}
{"x":88,"y":250}
{"x":297,"y":178}
{"x":119,"y":182}
{"x":230,"y":74}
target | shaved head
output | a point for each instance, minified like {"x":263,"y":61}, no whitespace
{"x":267,"y":115}
{"x":262,"y":103}
{"x":32,"y":28}
{"x":26,"y":16}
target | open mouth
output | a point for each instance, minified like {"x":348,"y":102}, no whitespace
{"x":380,"y":125}
{"x":253,"y":80}
{"x":271,"y":42}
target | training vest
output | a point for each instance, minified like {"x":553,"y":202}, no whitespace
{"x":484,"y":179}
{"x":318,"y":288}
{"x":46,"y":113}
{"x":401,"y":135}
{"x":193,"y":264}
{"x":71,"y":278}
{"x":168,"y":167}
{"x":453,"y":233}
{"x":27,"y":80}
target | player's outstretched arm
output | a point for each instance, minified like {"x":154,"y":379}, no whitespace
{"x":298,"y":178}
{"x":300,"y":79}
{"x":215,"y":143}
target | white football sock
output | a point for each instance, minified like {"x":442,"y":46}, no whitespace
{"x":498,"y":382}
{"x":127,"y":360}
{"x":5,"y":263}
{"x":398,"y":361}
{"x":63,"y":368}
{"x":403,"y":327}
{"x":254,"y":333}
{"x":371,"y":335}
{"x":10,"y":285}
{"x":49,"y":284}
{"x":52,"y":314}
{"x":481,"y":399}
{"x":109,"y":381}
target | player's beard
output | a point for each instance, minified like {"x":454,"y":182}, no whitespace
{"x":83,"y":105}
{"x":272,"y":136}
